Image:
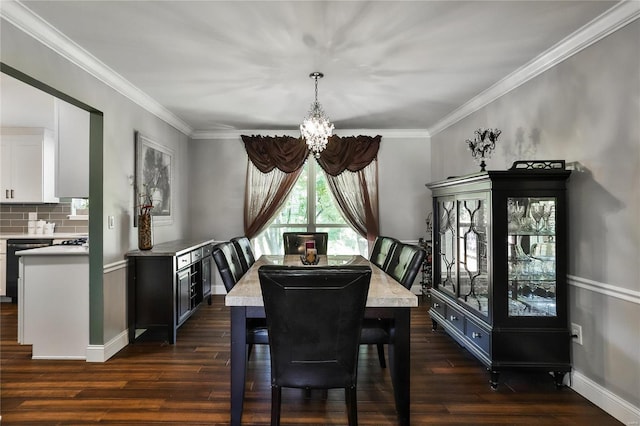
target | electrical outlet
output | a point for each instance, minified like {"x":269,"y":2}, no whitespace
{"x":576,"y":333}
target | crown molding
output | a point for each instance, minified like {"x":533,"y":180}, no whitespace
{"x":385,"y":133}
{"x":610,"y":21}
{"x":23,"y":18}
{"x":16,"y":13}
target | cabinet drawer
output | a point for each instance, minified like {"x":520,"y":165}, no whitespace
{"x":183,"y":260}
{"x":207,"y":250}
{"x":478,"y":337}
{"x":438,"y":305}
{"x":455,"y":318}
{"x":196,"y":255}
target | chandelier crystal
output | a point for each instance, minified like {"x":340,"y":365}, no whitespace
{"x":316,"y":127}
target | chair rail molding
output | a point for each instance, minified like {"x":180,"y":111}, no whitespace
{"x":605,"y":289}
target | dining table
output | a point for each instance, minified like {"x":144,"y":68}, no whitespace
{"x":386,"y":299}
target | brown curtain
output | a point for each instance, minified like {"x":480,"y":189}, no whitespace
{"x":288,"y":154}
{"x":283,"y":152}
{"x":349,"y":163}
{"x":356,"y":194}
{"x":264,"y":195}
{"x":351,"y":153}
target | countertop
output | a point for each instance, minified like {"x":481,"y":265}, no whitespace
{"x":55,"y":251}
{"x":171,"y":248}
{"x":54,"y":236}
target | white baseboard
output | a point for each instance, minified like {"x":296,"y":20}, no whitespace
{"x":617,"y":407}
{"x":218,"y":289}
{"x":58,"y":358}
{"x":101,"y":353}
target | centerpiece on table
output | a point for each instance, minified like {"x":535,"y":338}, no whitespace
{"x":310,"y":256}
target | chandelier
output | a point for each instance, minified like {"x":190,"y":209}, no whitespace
{"x":316,"y":128}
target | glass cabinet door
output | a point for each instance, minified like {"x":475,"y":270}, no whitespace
{"x":531,"y":256}
{"x":446,"y":234}
{"x":472,"y":254}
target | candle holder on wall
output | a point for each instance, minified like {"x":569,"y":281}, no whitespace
{"x":483,"y":145}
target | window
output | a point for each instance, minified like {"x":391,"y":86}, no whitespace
{"x":79,"y":209}
{"x":311,"y":208}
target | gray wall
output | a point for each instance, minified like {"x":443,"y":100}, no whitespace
{"x":121,"y":118}
{"x":218,"y":170}
{"x":585,"y":110}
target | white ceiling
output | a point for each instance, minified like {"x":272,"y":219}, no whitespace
{"x":241,"y":65}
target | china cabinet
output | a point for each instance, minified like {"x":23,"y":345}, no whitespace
{"x":499,"y":269}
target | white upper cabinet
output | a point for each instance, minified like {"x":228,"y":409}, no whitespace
{"x":72,"y":165}
{"x":27,"y":165}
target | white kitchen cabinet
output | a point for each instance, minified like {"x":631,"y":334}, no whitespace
{"x":3,"y":267}
{"x":72,"y":160}
{"x":27,"y":165}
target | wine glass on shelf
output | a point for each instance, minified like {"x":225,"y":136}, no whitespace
{"x":546,"y":214}
{"x":515,"y":212}
{"x":537,"y":210}
{"x":513,"y":224}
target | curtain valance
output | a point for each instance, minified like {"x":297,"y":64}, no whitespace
{"x":288,"y":154}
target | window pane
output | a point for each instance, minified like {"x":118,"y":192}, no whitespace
{"x":294,"y":218}
{"x":270,"y":240}
{"x":344,"y":240}
{"x":326,"y":209}
{"x":295,"y":208}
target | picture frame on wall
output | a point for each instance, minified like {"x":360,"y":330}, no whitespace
{"x":153,"y":179}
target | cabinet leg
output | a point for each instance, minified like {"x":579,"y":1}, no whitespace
{"x":434,"y":325}
{"x":558,"y":377}
{"x":493,"y":381}
{"x":209,"y":301}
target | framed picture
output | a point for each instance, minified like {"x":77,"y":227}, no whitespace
{"x":153,"y":179}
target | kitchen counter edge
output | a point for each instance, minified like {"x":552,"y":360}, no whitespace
{"x":55,"y":236}
{"x":55,"y":251}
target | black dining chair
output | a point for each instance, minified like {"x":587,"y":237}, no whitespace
{"x":245,"y":252}
{"x":228,"y":263}
{"x":403,"y":266}
{"x":314,"y":317}
{"x":294,"y":241}
{"x":382,"y":251}
{"x":405,"y":263}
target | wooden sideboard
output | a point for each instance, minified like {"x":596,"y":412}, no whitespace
{"x":167,"y":284}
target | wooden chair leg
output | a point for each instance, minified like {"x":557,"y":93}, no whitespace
{"x":276,"y":400}
{"x":383,"y":363}
{"x":352,"y":405}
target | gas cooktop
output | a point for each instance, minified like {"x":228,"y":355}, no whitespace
{"x":76,"y":242}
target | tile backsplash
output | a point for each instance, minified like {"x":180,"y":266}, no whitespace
{"x":15,"y":217}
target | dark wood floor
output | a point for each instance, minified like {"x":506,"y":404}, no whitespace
{"x":151,"y":382}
